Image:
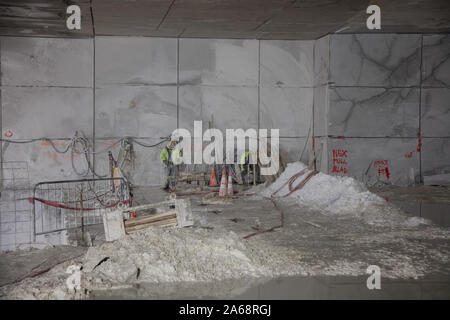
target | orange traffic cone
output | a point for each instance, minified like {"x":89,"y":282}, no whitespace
{"x":223,"y":184}
{"x":213,"y":180}
{"x":230,"y":184}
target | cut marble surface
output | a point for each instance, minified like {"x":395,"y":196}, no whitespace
{"x":321,"y":101}
{"x":44,"y":164}
{"x":218,"y":62}
{"x":362,"y":155}
{"x":375,"y":60}
{"x":435,"y":112}
{"x":321,"y":60}
{"x":292,"y":149}
{"x":373,"y":112}
{"x":218,"y":107}
{"x":287,"y":109}
{"x":135,"y":61}
{"x":286,"y":63}
{"x":321,"y":153}
{"x":436,"y":61}
{"x":33,"y":112}
{"x":144,"y":111}
{"x":46,"y":61}
{"x":435,"y":156}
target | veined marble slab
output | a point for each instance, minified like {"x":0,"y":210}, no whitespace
{"x":436,"y":61}
{"x":435,"y":156}
{"x":435,"y":112}
{"x":373,"y":112}
{"x":375,"y":60}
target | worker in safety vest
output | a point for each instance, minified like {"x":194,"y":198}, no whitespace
{"x":244,"y":162}
{"x":170,"y":157}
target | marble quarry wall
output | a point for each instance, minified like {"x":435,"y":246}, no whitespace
{"x":375,"y":107}
{"x":381,"y":110}
{"x":381,"y":106}
{"x":146,"y":87}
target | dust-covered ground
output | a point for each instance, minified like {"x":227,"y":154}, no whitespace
{"x":331,"y":227}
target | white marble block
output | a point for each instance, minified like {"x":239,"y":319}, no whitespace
{"x":286,"y":63}
{"x":218,"y":62}
{"x":367,"y":159}
{"x":373,"y":112}
{"x":287,"y":109}
{"x":135,"y":61}
{"x":436,"y":60}
{"x":435,"y":112}
{"x":47,"y":62}
{"x":375,"y":60}
{"x":143,"y":111}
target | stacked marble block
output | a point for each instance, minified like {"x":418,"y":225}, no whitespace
{"x":381,"y":110}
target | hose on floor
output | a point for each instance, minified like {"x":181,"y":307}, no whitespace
{"x":292,"y":189}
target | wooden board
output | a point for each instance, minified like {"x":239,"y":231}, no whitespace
{"x":150,"y":218}
{"x":160,"y":223}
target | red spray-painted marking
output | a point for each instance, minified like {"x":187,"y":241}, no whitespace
{"x":383,"y":169}
{"x":409,"y":155}
{"x":419,"y":143}
{"x":339,"y":161}
{"x":313,"y":142}
{"x":9,"y":134}
{"x":339,"y":153}
{"x":337,"y":169}
{"x":380,"y":163}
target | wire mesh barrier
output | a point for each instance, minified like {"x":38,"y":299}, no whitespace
{"x":15,"y":222}
{"x":72,"y":204}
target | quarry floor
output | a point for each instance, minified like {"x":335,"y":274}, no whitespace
{"x":335,"y":250}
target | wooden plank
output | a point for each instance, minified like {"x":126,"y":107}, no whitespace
{"x":171,"y":216}
{"x":149,"y":206}
{"x":150,"y":218}
{"x":166,"y":222}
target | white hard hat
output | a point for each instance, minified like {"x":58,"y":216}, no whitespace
{"x":175,"y":137}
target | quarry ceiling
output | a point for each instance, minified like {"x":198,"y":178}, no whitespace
{"x":250,"y":19}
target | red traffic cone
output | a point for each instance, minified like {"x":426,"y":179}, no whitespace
{"x":223,"y":184}
{"x":230,"y":184}
{"x":213,"y":180}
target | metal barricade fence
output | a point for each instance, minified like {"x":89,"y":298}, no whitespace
{"x":69,"y":204}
